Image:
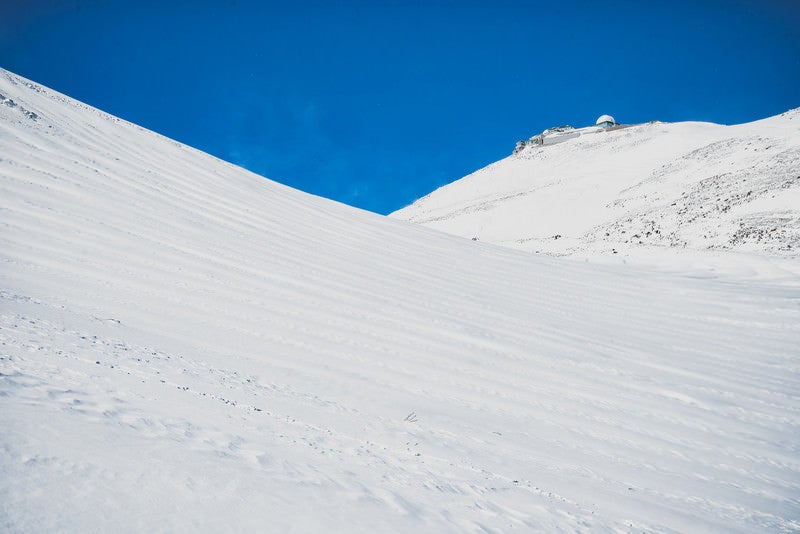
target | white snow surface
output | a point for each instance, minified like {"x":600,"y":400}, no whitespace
{"x":186,"y":346}
{"x":667,"y":195}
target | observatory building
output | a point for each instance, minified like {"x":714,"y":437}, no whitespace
{"x":559,"y":134}
{"x":605,"y":121}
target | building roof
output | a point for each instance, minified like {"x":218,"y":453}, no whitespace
{"x":605,"y":118}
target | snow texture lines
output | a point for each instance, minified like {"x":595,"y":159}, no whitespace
{"x":186,"y":346}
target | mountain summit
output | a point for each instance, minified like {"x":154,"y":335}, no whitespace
{"x":634,"y":190}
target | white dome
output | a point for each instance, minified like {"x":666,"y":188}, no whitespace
{"x":605,"y":118}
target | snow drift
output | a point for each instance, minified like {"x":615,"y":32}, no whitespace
{"x":187,"y":346}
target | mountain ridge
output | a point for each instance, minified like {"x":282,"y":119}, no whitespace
{"x":633,"y":191}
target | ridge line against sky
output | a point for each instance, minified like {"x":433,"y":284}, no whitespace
{"x":378,"y":103}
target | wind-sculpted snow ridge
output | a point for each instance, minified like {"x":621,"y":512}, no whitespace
{"x":647,"y":193}
{"x":186,"y":346}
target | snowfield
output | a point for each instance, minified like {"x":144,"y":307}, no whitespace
{"x":188,"y":346}
{"x":665,"y":195}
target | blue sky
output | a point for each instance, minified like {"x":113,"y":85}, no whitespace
{"x":377,"y":103}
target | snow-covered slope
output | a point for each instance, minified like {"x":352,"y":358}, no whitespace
{"x":635,"y":192}
{"x":187,"y":346}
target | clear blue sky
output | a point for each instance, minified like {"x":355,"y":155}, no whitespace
{"x":378,"y":103}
